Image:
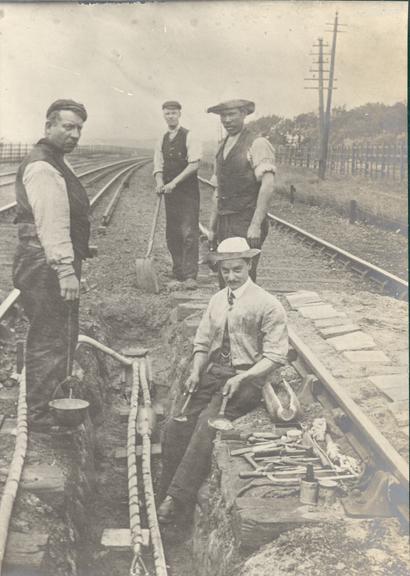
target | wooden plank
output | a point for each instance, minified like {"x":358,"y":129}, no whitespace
{"x":121,"y":453}
{"x":25,"y":550}
{"x":40,"y":478}
{"x":338,"y":330}
{"x":257,"y":521}
{"x":121,"y":537}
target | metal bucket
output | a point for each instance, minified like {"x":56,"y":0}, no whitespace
{"x":69,"y":411}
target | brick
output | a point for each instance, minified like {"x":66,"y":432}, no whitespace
{"x":368,"y":356}
{"x":353,"y":341}
{"x":320,"y":311}
{"x":338,"y":330}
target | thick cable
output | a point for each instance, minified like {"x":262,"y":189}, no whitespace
{"x":15,"y":469}
{"x":145,"y":431}
{"x":133,"y":499}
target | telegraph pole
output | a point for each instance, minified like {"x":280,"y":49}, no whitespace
{"x":320,"y":87}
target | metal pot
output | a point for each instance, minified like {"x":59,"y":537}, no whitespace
{"x":69,"y":411}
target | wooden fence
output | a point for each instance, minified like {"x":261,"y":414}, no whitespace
{"x":368,"y":160}
{"x":16,"y":151}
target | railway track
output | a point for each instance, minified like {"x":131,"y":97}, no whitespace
{"x":123,"y":171}
{"x":382,"y":280}
{"x":391,"y":481}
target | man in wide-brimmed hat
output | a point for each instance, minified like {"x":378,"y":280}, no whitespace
{"x":176,"y":162}
{"x":244,"y":180}
{"x":241,"y":341}
{"x":53,"y":231}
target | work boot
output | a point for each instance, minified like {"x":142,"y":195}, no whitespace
{"x":168,"y":510}
{"x":190,"y":284}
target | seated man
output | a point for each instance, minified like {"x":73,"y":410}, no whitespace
{"x":241,"y":340}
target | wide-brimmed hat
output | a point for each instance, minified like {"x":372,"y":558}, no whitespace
{"x":171,"y":105}
{"x":248,"y":105}
{"x":233,"y":248}
{"x":67,"y":104}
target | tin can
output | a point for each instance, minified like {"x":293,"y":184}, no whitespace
{"x":309,"y":492}
{"x":327,"y":492}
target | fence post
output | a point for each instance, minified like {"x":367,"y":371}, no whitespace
{"x":353,"y":159}
{"x":292,"y":194}
{"x":352,"y":212}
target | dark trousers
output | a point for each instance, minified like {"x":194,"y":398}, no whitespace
{"x":182,"y":232}
{"x":53,"y":327}
{"x":230,"y":225}
{"x":187,"y":447}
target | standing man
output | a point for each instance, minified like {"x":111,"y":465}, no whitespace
{"x":244,"y":180}
{"x":53,"y":232}
{"x":241,"y":341}
{"x":176,"y":163}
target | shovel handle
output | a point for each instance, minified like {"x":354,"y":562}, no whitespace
{"x":153,"y":227}
{"x":185,"y":404}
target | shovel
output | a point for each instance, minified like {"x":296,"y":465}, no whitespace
{"x":146,"y":276}
{"x":221,"y":422}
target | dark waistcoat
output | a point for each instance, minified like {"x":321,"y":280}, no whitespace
{"x":77,"y":197}
{"x":175,"y":154}
{"x":238,"y":188}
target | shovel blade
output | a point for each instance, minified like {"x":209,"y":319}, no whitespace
{"x":146,"y":277}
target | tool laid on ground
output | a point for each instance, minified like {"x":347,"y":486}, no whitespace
{"x":146,"y":276}
{"x":221,"y":422}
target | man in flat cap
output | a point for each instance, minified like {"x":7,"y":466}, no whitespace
{"x":244,"y":180}
{"x":176,"y":163}
{"x":241,"y":341}
{"x":53,"y":232}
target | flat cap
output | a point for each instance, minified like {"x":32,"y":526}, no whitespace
{"x":172,"y":105}
{"x":248,"y":105}
{"x":67,"y":104}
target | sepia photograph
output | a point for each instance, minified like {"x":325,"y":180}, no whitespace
{"x":204,"y":361}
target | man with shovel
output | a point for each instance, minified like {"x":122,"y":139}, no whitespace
{"x":176,"y":163}
{"x":244,"y":180}
{"x":240,"y":342}
{"x":53,"y":232}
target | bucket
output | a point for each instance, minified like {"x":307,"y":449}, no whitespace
{"x":69,"y":411}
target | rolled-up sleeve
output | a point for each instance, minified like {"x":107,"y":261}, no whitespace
{"x":275,"y":334}
{"x":262,"y":156}
{"x":202,"y":340}
{"x":47,"y":194}
{"x":194,"y":148}
{"x":158,"y":158}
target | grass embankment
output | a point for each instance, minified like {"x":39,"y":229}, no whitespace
{"x":383,"y":203}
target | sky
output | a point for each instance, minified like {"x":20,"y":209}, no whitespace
{"x":123,"y":60}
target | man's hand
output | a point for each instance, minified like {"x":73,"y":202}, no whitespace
{"x":168,"y":188}
{"x":212,"y":240}
{"x":253,"y":235}
{"x":159,"y":189}
{"x":70,"y":287}
{"x":232,"y":385}
{"x":192,"y":383}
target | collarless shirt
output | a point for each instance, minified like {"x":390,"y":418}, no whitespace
{"x":193,"y":148}
{"x":256,"y":325}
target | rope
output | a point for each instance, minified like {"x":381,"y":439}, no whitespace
{"x":15,"y":470}
{"x":145,"y":431}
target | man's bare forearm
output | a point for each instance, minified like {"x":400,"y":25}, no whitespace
{"x":187,"y":171}
{"x":261,"y":369}
{"x":264,"y":198}
{"x":199,"y":363}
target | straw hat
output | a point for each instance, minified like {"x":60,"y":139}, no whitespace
{"x":233,"y":248}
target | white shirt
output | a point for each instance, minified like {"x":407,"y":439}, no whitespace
{"x":239,"y":291}
{"x":193,"y":145}
{"x":47,"y":195}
